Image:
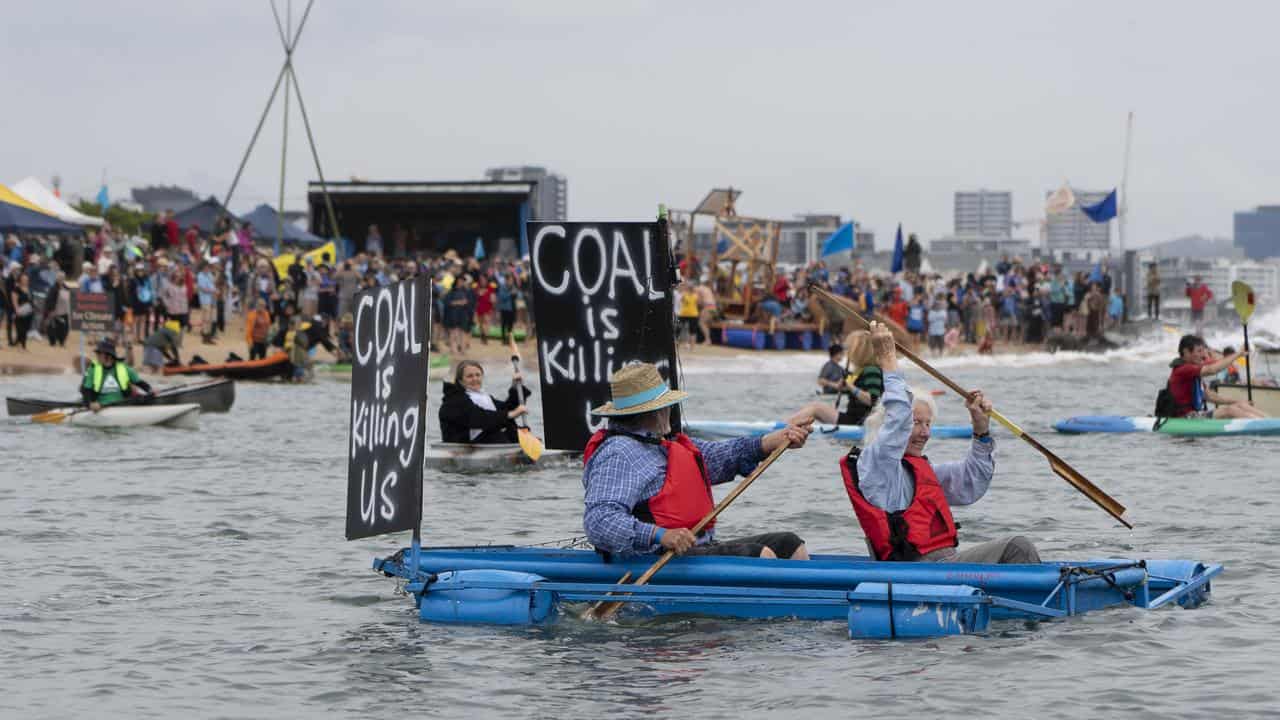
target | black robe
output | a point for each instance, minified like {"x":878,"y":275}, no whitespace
{"x":459,"y":416}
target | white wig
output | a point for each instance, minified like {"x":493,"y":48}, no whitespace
{"x":871,"y":425}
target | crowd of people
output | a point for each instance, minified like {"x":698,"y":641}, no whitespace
{"x":181,"y":282}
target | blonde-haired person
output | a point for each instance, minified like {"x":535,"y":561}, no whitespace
{"x":860,"y":389}
{"x":901,"y":499}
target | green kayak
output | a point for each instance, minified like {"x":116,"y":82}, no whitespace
{"x":494,"y":332}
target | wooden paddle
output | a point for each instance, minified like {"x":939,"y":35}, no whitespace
{"x":1242,"y":298}
{"x":55,"y":417}
{"x":604,"y":610}
{"x":1057,"y":464}
{"x":529,"y":443}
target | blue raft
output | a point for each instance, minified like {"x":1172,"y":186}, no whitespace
{"x":512,"y":585}
{"x":722,"y":429}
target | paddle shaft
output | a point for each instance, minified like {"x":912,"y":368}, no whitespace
{"x":606,"y":610}
{"x":1248,"y":375}
{"x":1059,"y":466}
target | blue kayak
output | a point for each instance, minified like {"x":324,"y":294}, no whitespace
{"x":512,"y":585}
{"x":721,"y":429}
{"x":1168,"y":426}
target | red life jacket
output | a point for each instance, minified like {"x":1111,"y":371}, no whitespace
{"x":685,"y":496}
{"x":924,"y":526}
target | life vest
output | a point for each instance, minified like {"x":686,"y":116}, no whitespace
{"x":99,"y":376}
{"x":924,"y":526}
{"x":685,"y":496}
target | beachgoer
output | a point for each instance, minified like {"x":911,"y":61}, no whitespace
{"x":937,"y":324}
{"x":108,"y":381}
{"x":23,"y":308}
{"x":1200,"y":295}
{"x":707,"y":309}
{"x":901,"y":499}
{"x":1186,"y":390}
{"x":831,"y":376}
{"x":257,"y":330}
{"x":295,"y":344}
{"x":161,"y":347}
{"x":470,"y":415}
{"x":1153,"y":291}
{"x":687,"y":314}
{"x":644,"y":489}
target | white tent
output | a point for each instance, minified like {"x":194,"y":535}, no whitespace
{"x":34,"y":192}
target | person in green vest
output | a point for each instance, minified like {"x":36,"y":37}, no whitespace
{"x":108,"y":381}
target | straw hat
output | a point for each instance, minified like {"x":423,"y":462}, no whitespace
{"x":636,"y":389}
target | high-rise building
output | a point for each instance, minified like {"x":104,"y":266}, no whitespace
{"x":984,"y":213}
{"x":550,"y":198}
{"x":1073,"y":231}
{"x":1257,"y":232}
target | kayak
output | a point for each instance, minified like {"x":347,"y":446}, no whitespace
{"x":185,"y":416}
{"x":468,"y":458}
{"x":1168,"y":426}
{"x":210,"y":395}
{"x":437,"y":369}
{"x":511,"y":585}
{"x":1266,"y":398}
{"x":272,"y":366}
{"x":722,"y":429}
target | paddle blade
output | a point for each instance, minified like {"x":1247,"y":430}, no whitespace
{"x":1242,"y":299}
{"x":1093,"y":492}
{"x":530,"y":444}
{"x":49,"y":417}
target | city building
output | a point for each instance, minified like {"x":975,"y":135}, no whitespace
{"x":983,"y":212}
{"x":550,"y":199}
{"x":1257,"y":232}
{"x":1072,"y":233}
{"x":154,"y":198}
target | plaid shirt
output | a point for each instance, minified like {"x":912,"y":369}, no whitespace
{"x":624,"y":471}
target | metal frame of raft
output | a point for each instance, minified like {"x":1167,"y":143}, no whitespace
{"x":513,"y":585}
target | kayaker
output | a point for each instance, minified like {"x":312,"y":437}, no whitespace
{"x":831,"y":376}
{"x":470,"y":415}
{"x":161,"y":347}
{"x":108,"y":381}
{"x":901,"y":499}
{"x":862,"y":387}
{"x":644,"y":487}
{"x":1186,"y":393}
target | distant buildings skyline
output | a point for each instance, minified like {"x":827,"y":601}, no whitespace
{"x":551,"y":196}
{"x":1072,"y":231}
{"x":983,"y":213}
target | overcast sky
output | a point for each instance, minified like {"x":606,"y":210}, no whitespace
{"x":877,"y":111}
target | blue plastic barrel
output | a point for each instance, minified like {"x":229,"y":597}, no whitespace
{"x":487,"y":597}
{"x":892,"y":610}
{"x":744,"y":338}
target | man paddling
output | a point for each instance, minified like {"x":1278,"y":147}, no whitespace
{"x":1186,"y":385}
{"x":645,"y":488}
{"x":901,"y":499}
{"x":108,"y":381}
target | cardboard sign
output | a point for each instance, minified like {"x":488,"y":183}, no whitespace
{"x":94,"y":312}
{"x":601,"y":298}
{"x":388,"y":408}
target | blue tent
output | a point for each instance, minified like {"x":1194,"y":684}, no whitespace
{"x":265,"y":221}
{"x":15,"y":218}
{"x":205,"y":215}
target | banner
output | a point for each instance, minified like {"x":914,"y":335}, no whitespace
{"x":388,"y":408}
{"x":285,"y":261}
{"x":601,"y":298}
{"x":93,"y":312}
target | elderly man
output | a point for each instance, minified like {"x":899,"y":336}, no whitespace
{"x":645,"y":489}
{"x":901,"y":499}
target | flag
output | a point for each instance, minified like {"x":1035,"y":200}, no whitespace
{"x":479,"y":251}
{"x":1095,"y":275}
{"x":102,"y":197}
{"x":840,"y":241}
{"x":1060,"y":200}
{"x":1103,"y":211}
{"x":722,"y":245}
{"x":897,"y":252}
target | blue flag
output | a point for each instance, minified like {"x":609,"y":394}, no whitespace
{"x":102,"y":197}
{"x":479,"y":251}
{"x":897,"y":252}
{"x":840,"y":241}
{"x":722,"y":245}
{"x":1103,"y":211}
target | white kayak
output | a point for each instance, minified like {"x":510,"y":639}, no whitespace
{"x":185,"y":416}
{"x":465,"y":457}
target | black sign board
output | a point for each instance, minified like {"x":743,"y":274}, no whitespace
{"x":388,"y":408}
{"x":601,"y":299}
{"x":94,"y":312}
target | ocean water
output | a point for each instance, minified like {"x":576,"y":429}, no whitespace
{"x":167,"y":573}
